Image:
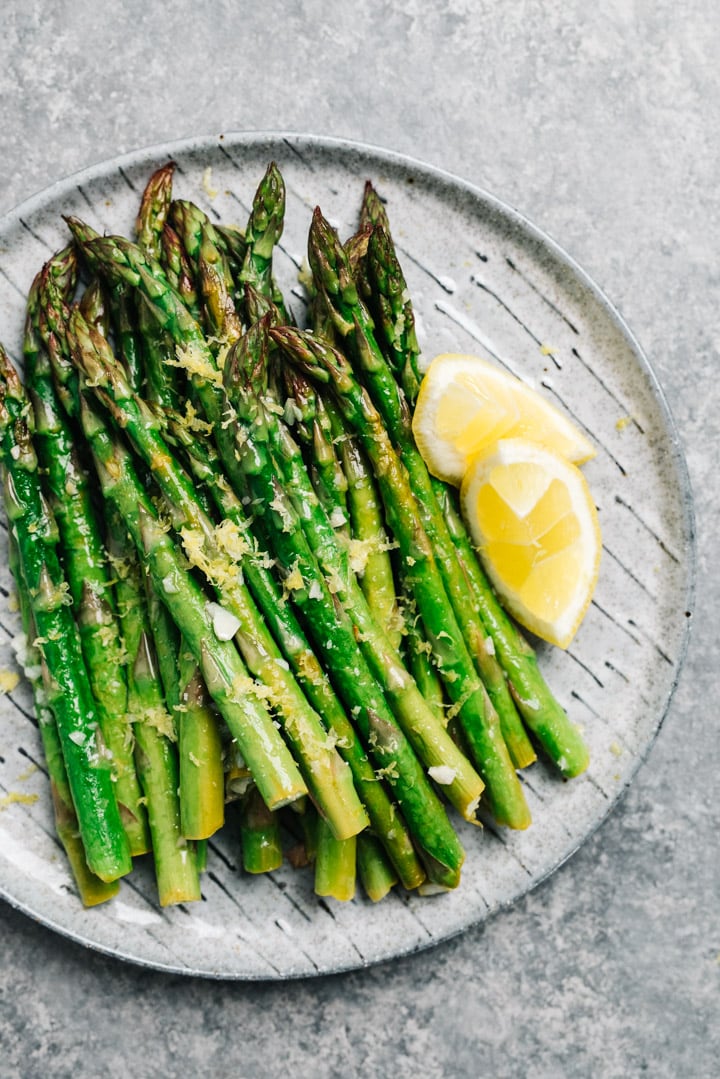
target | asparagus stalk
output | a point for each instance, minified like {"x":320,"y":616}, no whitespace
{"x":201,"y":780}
{"x":187,"y":220}
{"x":206,"y":253}
{"x":310,"y":419}
{"x":420,"y":664}
{"x":375,"y":872}
{"x":263,"y":232}
{"x":335,"y":865}
{"x":217,"y":289}
{"x":179,"y":270}
{"x":68,"y":688}
{"x":174,"y":859}
{"x":368,"y":529}
{"x":235,"y":248}
{"x":259,"y":835}
{"x":157,"y":346}
{"x":91,"y":889}
{"x":94,"y":306}
{"x":200,"y":749}
{"x":122,"y":310}
{"x":84,"y":556}
{"x":154,"y":209}
{"x":389,"y":297}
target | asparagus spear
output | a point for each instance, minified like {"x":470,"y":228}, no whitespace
{"x":176,"y":869}
{"x":91,"y":889}
{"x":311,"y":422}
{"x":83,"y":554}
{"x":122,"y":313}
{"x":68,"y":689}
{"x":419,"y":663}
{"x":179,"y":270}
{"x":335,"y":865}
{"x":328,"y":778}
{"x":374,"y":870}
{"x":368,"y":529}
{"x":157,"y":345}
{"x":154,"y":209}
{"x":200,"y":748}
{"x":477,"y":716}
{"x":259,"y":835}
{"x":201,"y":781}
{"x":235,"y":248}
{"x":205,"y":250}
{"x":389,"y":297}
{"x":263,"y":232}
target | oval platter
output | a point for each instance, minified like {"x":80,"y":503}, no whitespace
{"x":483,"y":279}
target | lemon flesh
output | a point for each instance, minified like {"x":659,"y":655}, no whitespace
{"x":533,"y":520}
{"x":466,"y":404}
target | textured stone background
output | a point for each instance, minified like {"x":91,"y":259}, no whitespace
{"x":602,"y":124}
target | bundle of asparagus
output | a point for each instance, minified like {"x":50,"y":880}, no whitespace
{"x":238,"y":580}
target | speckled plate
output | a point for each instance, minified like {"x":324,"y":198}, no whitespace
{"x":483,"y":279}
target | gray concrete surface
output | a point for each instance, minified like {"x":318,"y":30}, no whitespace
{"x":601,"y":123}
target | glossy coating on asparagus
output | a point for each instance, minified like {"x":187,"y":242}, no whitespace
{"x":68,"y":690}
{"x":174,"y":860}
{"x":83,"y":549}
{"x":91,"y":889}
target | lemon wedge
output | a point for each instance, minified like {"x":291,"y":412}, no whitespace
{"x":466,"y":404}
{"x":533,"y":520}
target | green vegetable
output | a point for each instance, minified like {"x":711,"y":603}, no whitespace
{"x":68,"y":691}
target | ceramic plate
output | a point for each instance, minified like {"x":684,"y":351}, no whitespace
{"x":483,"y":280}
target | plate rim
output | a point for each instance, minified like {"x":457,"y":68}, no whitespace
{"x":169,"y":148}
